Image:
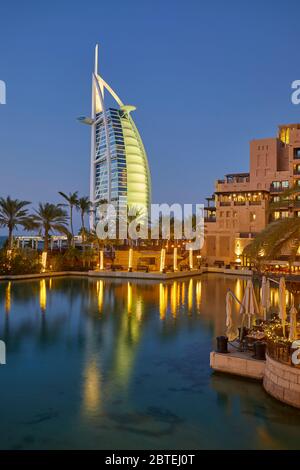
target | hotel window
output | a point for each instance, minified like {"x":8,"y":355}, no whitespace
{"x":276,"y":184}
{"x":284,"y":214}
{"x":285,"y":184}
{"x":252,"y":216}
{"x":228,"y":214}
{"x":276,"y":215}
{"x":234,"y":214}
{"x":297,"y":153}
{"x":276,"y":199}
{"x":297,"y":169}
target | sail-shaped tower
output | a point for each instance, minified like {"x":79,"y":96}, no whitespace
{"x":119,"y":172}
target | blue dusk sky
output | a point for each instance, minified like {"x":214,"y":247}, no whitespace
{"x":206,"y":78}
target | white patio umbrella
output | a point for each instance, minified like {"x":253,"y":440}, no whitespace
{"x":282,"y":303}
{"x":228,"y":310}
{"x":231,"y":331}
{"x":265,"y":296}
{"x":293,"y":322}
{"x":249,"y":305}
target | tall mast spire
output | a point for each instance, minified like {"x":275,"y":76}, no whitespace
{"x":96,"y":59}
{"x":96,"y":68}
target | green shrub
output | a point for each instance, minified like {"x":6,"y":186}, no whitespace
{"x":21,"y":261}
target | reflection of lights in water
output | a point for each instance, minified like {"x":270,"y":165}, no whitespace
{"x":8,"y":297}
{"x":266,"y":438}
{"x":198,"y":294}
{"x":133,"y":328}
{"x":91,"y":393}
{"x":50,"y":283}
{"x":174,"y":298}
{"x":183,"y":293}
{"x":129,"y":297}
{"x":100,"y":290}
{"x":238,"y":289}
{"x":43,"y":295}
{"x":125,"y":348}
{"x":190,"y":295}
{"x":162,"y":301}
{"x":139,"y":308}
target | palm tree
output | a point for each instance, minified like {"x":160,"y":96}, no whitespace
{"x":72,"y":199}
{"x":12,"y":214}
{"x":50,"y":217}
{"x":84,"y":206}
{"x":280,"y":235}
{"x":137,"y":214}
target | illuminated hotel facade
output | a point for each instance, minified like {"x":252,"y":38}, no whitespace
{"x":119,"y":171}
{"x":239,"y":207}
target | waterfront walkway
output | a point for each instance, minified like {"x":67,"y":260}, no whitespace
{"x":155,"y":275}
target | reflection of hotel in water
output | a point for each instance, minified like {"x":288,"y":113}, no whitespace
{"x":118,"y":312}
{"x":238,"y":210}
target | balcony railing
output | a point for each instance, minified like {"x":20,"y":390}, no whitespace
{"x":225,"y":203}
{"x":239,"y":203}
{"x":274,"y":189}
{"x":247,"y":235}
{"x":255,"y":203}
{"x":209,"y":219}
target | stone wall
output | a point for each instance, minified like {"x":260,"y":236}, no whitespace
{"x":237,"y":363}
{"x":282,"y":382}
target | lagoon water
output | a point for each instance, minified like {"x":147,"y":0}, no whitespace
{"x":108,"y":364}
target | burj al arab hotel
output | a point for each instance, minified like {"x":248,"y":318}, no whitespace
{"x":120,"y":172}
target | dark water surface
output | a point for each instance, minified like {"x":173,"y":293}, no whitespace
{"x":109,"y":364}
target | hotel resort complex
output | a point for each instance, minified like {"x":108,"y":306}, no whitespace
{"x":149,"y":300}
{"x":243,"y":203}
{"x":134,"y":311}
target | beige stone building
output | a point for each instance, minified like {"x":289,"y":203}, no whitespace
{"x":238,"y":209}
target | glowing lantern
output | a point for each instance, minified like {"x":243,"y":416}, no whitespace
{"x":191,"y":258}
{"x":175,"y":259}
{"x":162,"y":259}
{"x":130,"y":259}
{"x":101,"y":260}
{"x":44,"y":260}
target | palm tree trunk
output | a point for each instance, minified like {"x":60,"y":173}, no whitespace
{"x":71,"y":220}
{"x":10,"y":238}
{"x":82,"y":226}
{"x":46,"y":240}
